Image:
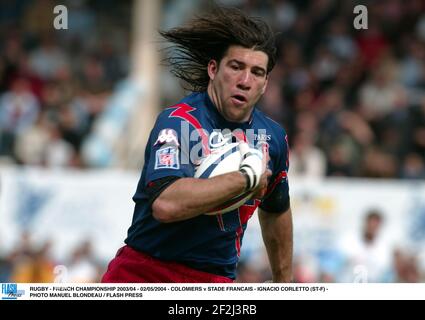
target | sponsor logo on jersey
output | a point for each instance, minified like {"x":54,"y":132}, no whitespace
{"x":218,"y":139}
{"x":167,"y":136}
{"x":167,"y":158}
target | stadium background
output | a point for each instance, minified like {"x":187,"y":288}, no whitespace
{"x":76,"y":106}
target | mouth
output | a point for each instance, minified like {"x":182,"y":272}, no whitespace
{"x":239,"y":99}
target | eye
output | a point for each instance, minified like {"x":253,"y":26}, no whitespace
{"x":234,"y":66}
{"x":258,"y":73}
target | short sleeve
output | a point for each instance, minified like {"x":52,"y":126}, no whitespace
{"x":168,"y":150}
{"x":276,"y":199}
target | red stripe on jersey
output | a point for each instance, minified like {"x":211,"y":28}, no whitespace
{"x":287,"y":152}
{"x":282,"y":175}
{"x":183,"y":111}
{"x":220,"y":222}
{"x":245,"y":213}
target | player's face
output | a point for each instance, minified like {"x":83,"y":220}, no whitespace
{"x":238,"y":82}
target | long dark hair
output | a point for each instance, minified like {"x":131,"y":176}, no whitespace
{"x":208,"y":37}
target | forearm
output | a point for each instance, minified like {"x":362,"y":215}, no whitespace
{"x":190,"y":197}
{"x":277,"y":236}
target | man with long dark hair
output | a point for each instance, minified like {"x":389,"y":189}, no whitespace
{"x":225,"y":58}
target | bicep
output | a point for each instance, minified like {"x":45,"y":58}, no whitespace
{"x":277,"y":198}
{"x":266,"y":216}
{"x":156,"y":187}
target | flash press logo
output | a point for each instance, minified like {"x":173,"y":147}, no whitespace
{"x":9,"y":291}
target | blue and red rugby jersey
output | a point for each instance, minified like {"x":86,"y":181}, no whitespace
{"x":209,"y":243}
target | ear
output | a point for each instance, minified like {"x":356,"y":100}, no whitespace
{"x":265,"y":85}
{"x":212,"y":69}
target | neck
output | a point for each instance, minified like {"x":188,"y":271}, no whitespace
{"x":214,"y":99}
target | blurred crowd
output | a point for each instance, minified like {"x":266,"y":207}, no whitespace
{"x":352,"y":101}
{"x":55,"y":83}
{"x":359,"y":257}
{"x":29,"y":262}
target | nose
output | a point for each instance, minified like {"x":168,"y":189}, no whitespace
{"x":244,"y":81}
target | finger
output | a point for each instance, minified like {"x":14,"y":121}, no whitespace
{"x":243,"y":148}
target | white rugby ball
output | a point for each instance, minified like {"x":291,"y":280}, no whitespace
{"x":223,"y":160}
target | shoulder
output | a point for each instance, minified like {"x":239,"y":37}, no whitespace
{"x":190,"y":105}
